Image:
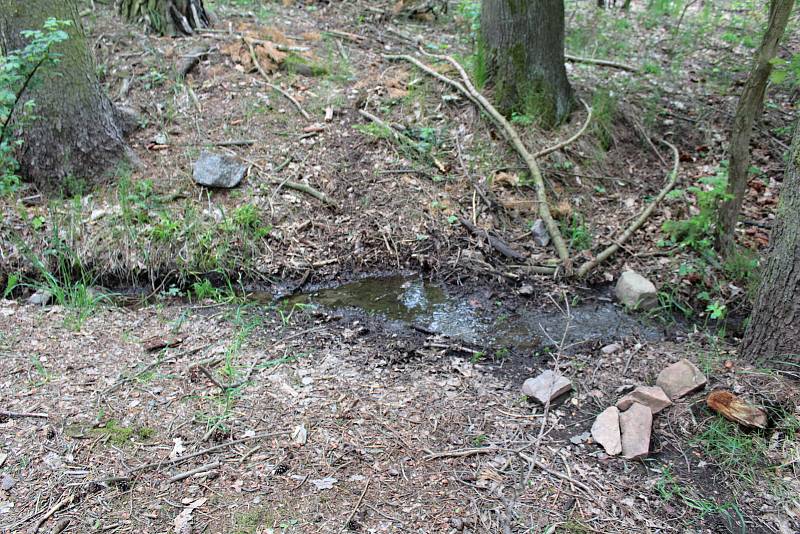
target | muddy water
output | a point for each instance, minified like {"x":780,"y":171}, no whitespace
{"x":412,"y":301}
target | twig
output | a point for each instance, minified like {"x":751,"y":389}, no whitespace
{"x":672,"y":179}
{"x":195,"y":471}
{"x":555,"y":473}
{"x":355,"y":508}
{"x":273,"y":86}
{"x":226,"y":387}
{"x":570,"y":140}
{"x":600,"y":62}
{"x":4,"y":415}
{"x":181,"y":459}
{"x":512,"y":136}
{"x":307,"y":189}
{"x":58,"y":506}
{"x":458,"y":453}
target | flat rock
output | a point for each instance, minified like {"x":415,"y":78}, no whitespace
{"x":215,"y":170}
{"x":40,"y":298}
{"x":611,"y":349}
{"x":546,"y":387}
{"x":635,"y":291}
{"x":605,"y":431}
{"x":540,"y":234}
{"x":651,"y":396}
{"x":680,"y":378}
{"x":635,"y":425}
{"x":7,"y":482}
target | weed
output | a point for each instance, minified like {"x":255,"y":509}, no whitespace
{"x":577,"y":232}
{"x":41,"y":371}
{"x":116,"y":434}
{"x":604,"y":108}
{"x":740,"y":453}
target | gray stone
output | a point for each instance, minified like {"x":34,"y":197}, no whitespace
{"x":40,"y":298}
{"x":540,"y":234}
{"x":680,"y":378}
{"x":635,"y":291}
{"x":611,"y":349}
{"x":635,"y":425}
{"x":651,"y":396}
{"x":605,"y":431}
{"x":580,"y":438}
{"x":215,"y":170}
{"x":546,"y":387}
{"x":7,"y":483}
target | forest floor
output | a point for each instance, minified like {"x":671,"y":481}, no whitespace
{"x":345,"y":413}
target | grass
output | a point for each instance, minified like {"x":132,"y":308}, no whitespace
{"x":740,"y":454}
{"x":116,"y":434}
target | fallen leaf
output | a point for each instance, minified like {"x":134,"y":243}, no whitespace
{"x":300,"y":434}
{"x":183,"y":521}
{"x":735,"y":409}
{"x":177,"y":449}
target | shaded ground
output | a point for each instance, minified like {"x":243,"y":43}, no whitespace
{"x":378,"y":400}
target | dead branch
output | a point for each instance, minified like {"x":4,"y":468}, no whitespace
{"x":346,"y":525}
{"x":191,"y":60}
{"x":225,"y":387}
{"x":600,"y":63}
{"x":672,"y":178}
{"x":58,"y":506}
{"x":498,"y":244}
{"x":459,"y":453}
{"x":272,"y":86}
{"x":307,"y":189}
{"x":513,"y":138}
{"x":196,"y":471}
{"x":4,"y":415}
{"x":555,"y":473}
{"x":570,"y":140}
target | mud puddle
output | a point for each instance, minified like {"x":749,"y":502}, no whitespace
{"x":483,"y":319}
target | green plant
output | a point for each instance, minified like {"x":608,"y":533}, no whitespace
{"x":604,"y":109}
{"x":697,"y":232}
{"x":18,"y":69}
{"x":577,"y":232}
{"x":740,"y":453}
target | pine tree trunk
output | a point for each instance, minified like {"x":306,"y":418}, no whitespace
{"x":748,"y":109}
{"x":75,"y":132}
{"x":167,"y":17}
{"x":773,"y":335}
{"x":522,"y":53}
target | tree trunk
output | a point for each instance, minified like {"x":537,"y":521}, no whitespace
{"x":75,"y":132}
{"x":773,"y":335}
{"x":521,"y":51}
{"x":748,"y":109}
{"x":167,"y":17}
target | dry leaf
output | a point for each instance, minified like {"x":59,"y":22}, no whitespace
{"x":183,"y":521}
{"x":177,"y":449}
{"x":735,"y":409}
{"x":507,"y":179}
{"x":324,"y":483}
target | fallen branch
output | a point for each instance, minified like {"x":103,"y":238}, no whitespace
{"x":307,"y":189}
{"x":570,"y":140}
{"x":196,"y":471}
{"x":600,"y":62}
{"x":191,"y":60}
{"x":181,"y":459}
{"x":459,"y":453}
{"x":58,"y":506}
{"x":672,"y":178}
{"x":225,"y":387}
{"x":513,"y":138}
{"x":4,"y":415}
{"x":498,"y":244}
{"x":272,"y":86}
{"x":347,"y":524}
{"x":555,"y":473}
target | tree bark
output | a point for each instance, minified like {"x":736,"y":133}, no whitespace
{"x":75,"y":131}
{"x":521,"y":51}
{"x":773,"y":335}
{"x":747,"y":111}
{"x":167,"y":17}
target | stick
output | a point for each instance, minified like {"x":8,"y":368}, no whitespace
{"x":562,"y":476}
{"x":195,"y":471}
{"x":307,"y":189}
{"x":58,"y":506}
{"x":498,"y":244}
{"x":600,"y":62}
{"x":226,"y":387}
{"x":511,"y":135}
{"x":459,"y":453}
{"x":355,"y":508}
{"x":4,"y":415}
{"x":570,"y":140}
{"x":672,"y":178}
{"x":263,"y":73}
